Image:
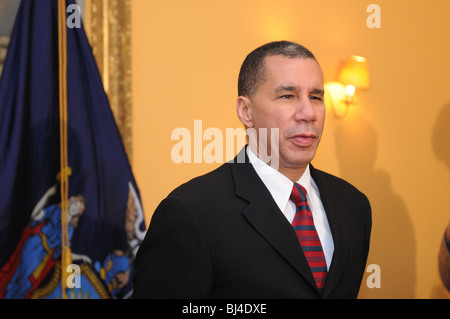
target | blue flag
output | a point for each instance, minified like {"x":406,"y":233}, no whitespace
{"x":106,"y":221}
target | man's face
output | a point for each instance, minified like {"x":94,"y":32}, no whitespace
{"x":291,"y":99}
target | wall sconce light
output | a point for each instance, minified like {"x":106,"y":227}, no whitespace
{"x":354,"y":75}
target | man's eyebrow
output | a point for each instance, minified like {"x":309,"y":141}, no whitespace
{"x":318,"y":91}
{"x":291,"y":88}
{"x":286,"y":88}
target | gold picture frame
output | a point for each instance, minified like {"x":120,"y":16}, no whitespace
{"x":108,"y":28}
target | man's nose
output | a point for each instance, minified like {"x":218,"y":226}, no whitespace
{"x":305,"y":110}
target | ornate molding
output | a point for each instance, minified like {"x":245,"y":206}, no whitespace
{"x":4,"y":41}
{"x":108,"y":28}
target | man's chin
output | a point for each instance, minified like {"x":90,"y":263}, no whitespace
{"x":299,"y":158}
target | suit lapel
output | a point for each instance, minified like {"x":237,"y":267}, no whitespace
{"x":340,"y":229}
{"x":265,"y":216}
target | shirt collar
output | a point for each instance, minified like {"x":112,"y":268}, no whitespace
{"x":279,"y":186}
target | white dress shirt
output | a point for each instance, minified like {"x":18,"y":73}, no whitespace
{"x":280,"y":188}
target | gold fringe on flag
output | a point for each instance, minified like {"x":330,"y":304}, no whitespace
{"x":66,"y":256}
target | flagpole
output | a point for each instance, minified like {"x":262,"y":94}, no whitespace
{"x":66,"y":257}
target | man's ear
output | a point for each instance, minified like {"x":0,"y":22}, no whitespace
{"x":244,"y":111}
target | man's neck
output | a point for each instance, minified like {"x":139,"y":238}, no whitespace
{"x":293,"y":173}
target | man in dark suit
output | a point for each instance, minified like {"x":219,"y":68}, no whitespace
{"x":444,"y":258}
{"x":239,"y":231}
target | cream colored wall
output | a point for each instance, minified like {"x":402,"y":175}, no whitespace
{"x":394,"y":144}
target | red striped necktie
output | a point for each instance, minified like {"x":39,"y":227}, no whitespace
{"x":303,"y":224}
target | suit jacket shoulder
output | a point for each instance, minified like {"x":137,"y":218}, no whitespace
{"x":335,"y":182}
{"x":210,"y":189}
{"x":210,"y":181}
{"x":342,"y":189}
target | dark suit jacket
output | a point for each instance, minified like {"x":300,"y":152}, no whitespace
{"x":444,"y":262}
{"x":222,"y":235}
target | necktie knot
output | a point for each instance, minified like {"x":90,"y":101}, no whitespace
{"x":298,"y":194}
{"x":298,"y":197}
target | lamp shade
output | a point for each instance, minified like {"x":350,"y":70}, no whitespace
{"x":355,"y":72}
